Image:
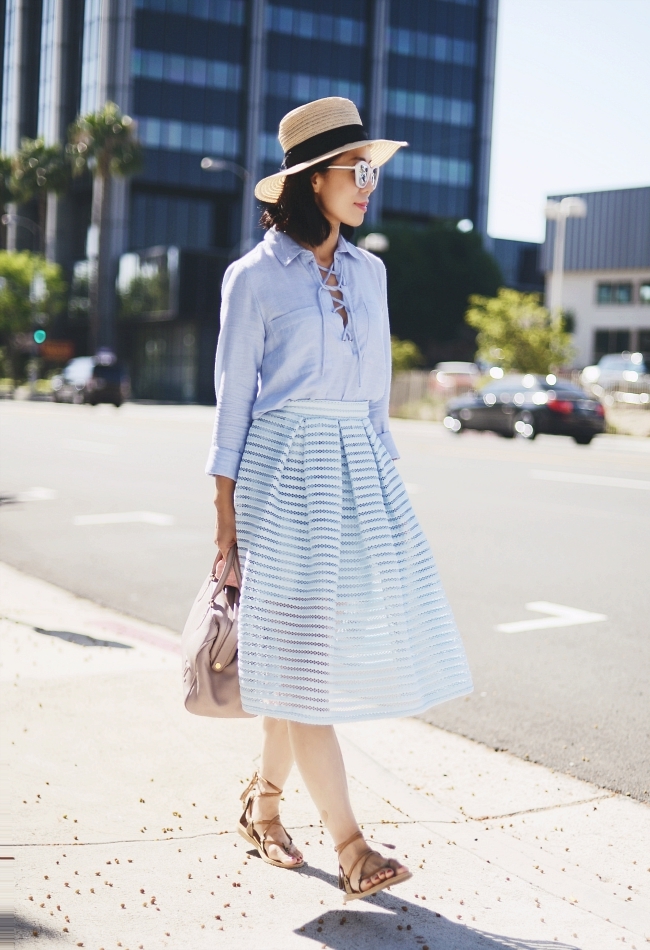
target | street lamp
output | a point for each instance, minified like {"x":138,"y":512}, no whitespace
{"x":223,"y":165}
{"x":23,"y":222}
{"x":559,"y":211}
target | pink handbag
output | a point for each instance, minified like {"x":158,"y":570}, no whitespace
{"x":209,"y":644}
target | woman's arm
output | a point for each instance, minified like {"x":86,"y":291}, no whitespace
{"x":378,"y":410}
{"x":225,"y":533}
{"x":240,"y":350}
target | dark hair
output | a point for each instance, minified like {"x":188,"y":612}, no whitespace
{"x":296,"y":212}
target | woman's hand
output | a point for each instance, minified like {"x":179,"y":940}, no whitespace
{"x":225,"y":533}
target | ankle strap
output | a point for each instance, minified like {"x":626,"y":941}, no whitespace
{"x":256,"y":779}
{"x":339,"y":847}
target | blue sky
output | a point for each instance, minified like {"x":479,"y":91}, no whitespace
{"x":571,"y":108}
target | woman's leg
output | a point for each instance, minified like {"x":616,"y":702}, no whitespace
{"x":318,"y":756}
{"x":276,"y":763}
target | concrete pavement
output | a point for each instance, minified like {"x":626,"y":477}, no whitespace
{"x":124,"y":810}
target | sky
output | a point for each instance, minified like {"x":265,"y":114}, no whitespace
{"x":571,"y":105}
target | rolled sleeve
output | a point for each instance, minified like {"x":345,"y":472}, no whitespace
{"x":240,"y":350}
{"x":378,"y":410}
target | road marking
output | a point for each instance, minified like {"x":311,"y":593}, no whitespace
{"x":37,"y":494}
{"x":126,"y":517}
{"x":561,"y":617}
{"x":582,"y":479}
{"x":99,"y":448}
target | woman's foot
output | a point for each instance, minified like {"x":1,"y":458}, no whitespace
{"x":365,"y":871}
{"x":260,"y":824}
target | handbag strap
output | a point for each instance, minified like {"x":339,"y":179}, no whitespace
{"x":232,"y":562}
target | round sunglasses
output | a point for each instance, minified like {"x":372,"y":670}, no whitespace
{"x":364,"y":173}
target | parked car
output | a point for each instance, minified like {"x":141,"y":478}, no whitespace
{"x":87,"y":379}
{"x":527,"y":405}
{"x":614,"y":369}
{"x":453,"y":377}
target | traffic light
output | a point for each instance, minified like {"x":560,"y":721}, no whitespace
{"x":39,"y":336}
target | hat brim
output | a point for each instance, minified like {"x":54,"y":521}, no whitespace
{"x":269,"y":189}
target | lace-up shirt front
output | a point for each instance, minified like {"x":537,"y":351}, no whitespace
{"x":283,"y":337}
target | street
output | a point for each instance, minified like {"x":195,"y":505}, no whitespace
{"x":113,"y":505}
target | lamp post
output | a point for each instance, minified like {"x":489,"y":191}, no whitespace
{"x":560,"y":211}
{"x":223,"y":165}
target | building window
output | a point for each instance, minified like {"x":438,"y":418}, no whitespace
{"x":611,"y":341}
{"x":644,"y":292}
{"x":315,"y":26}
{"x":300,"y":87}
{"x":418,"y":105}
{"x":443,"y":49}
{"x":430,"y":168}
{"x":188,"y":137}
{"x":615,"y":293}
{"x":189,"y":70}
{"x":220,"y":11}
{"x":167,"y":220}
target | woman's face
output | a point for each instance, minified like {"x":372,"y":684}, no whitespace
{"x":336,"y":192}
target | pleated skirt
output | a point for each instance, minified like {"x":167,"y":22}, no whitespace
{"x":342,"y":613}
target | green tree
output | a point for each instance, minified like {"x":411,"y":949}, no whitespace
{"x":6,"y":194}
{"x":406,"y":355}
{"x":517,"y":333}
{"x":36,"y":169}
{"x":105,"y":144}
{"x":432,"y":271}
{"x":32,"y":291}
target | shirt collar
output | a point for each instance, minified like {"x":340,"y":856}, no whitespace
{"x":286,"y":249}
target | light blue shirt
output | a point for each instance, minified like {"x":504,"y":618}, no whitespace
{"x":281,"y":339}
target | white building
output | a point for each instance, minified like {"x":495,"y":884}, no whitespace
{"x":607,"y":273}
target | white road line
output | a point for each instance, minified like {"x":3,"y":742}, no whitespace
{"x":37,"y":494}
{"x":99,"y":448}
{"x":579,"y":478}
{"x":561,"y":617}
{"x":126,"y":517}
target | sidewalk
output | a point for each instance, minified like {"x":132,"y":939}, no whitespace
{"x":124,"y":810}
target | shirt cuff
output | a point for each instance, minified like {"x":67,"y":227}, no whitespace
{"x":223,"y":462}
{"x":387,"y":440}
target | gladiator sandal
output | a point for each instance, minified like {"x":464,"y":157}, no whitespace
{"x":355,"y":893}
{"x":246,"y":826}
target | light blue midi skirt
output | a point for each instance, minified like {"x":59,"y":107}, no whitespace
{"x":342,"y":613}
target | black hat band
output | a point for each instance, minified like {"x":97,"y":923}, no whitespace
{"x":323,"y":143}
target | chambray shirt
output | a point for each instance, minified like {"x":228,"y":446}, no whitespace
{"x":281,"y":339}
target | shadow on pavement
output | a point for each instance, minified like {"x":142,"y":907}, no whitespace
{"x":82,"y":639}
{"x":341,"y":929}
{"x":19,"y":928}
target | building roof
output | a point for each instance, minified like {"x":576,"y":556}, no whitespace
{"x":615,"y":234}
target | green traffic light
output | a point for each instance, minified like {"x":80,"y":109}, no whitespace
{"x":39,"y":336}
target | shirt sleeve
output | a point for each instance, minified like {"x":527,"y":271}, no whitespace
{"x":379,"y":408}
{"x":240,"y":350}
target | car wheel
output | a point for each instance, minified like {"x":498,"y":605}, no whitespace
{"x":117,"y":404}
{"x":583,"y":439}
{"x":524,"y":426}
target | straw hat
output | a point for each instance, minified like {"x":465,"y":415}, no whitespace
{"x":317,"y":131}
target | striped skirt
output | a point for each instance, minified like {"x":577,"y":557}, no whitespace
{"x":342,"y":613}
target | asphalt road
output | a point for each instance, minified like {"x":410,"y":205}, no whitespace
{"x":510,"y":523}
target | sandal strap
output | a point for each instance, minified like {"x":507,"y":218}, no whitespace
{"x":339,"y":847}
{"x":256,"y":779}
{"x":362,"y":857}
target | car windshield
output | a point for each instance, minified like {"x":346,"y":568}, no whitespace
{"x":616,"y":361}
{"x":562,"y":386}
{"x":78,"y":370}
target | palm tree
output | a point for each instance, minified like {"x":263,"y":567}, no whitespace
{"x":36,"y":169}
{"x":104,"y":143}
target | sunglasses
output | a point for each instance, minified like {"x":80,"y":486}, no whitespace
{"x":364,"y":173}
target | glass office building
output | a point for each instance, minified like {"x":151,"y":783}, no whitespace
{"x":214,"y":78}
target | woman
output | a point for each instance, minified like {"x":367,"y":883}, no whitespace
{"x":342,"y":615}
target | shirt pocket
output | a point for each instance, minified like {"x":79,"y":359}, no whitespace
{"x":293,"y":344}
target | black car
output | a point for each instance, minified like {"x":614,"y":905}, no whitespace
{"x":87,"y":379}
{"x":527,"y":405}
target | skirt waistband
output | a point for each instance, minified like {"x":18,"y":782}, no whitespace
{"x":328,"y":408}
